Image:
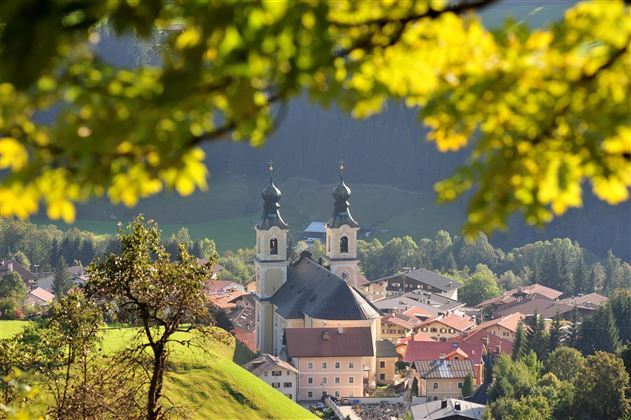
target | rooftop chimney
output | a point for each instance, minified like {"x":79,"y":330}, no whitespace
{"x":443,"y":403}
{"x":442,"y":356}
{"x":457,"y":405}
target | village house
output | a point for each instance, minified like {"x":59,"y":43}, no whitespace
{"x":589,"y":301}
{"x":446,"y":326}
{"x":9,"y":266}
{"x":38,"y":297}
{"x":219,"y":287}
{"x":276,"y":373}
{"x":430,"y":303}
{"x":505,"y":327}
{"x":514,"y":296}
{"x":396,"y":326}
{"x":442,"y":378}
{"x":415,"y":280}
{"x":387,"y":358}
{"x":331,"y":361}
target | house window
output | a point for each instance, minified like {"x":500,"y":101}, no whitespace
{"x":382,"y":364}
{"x":434,"y":330}
{"x":337,"y":394}
{"x":451,"y":331}
{"x":276,"y":373}
{"x":273,"y":246}
{"x":310,"y":380}
{"x":459,"y":385}
{"x":310,"y":394}
{"x":324,"y":393}
{"x":275,"y":384}
{"x":442,"y":330}
{"x":287,"y":385}
{"x":351,"y":365}
{"x":382,"y":376}
{"x":289,"y":396}
{"x":310,"y":365}
{"x":337,"y":379}
{"x":324,"y":365}
{"x":344,"y":245}
{"x":351,"y":379}
{"x":424,"y":329}
{"x":435,"y":398}
{"x":435,"y":386}
{"x":337,"y":365}
{"x":325,"y":381}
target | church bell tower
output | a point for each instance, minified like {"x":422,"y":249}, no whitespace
{"x":341,"y":235}
{"x":270,"y":262}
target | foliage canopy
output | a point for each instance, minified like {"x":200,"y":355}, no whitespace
{"x":548,"y":108}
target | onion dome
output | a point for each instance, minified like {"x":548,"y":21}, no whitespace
{"x":341,"y":207}
{"x":271,"y":206}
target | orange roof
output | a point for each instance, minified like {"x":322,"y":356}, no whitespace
{"x":510,"y":322}
{"x":224,"y":300}
{"x":42,"y":294}
{"x":457,"y":322}
{"x":406,"y":322}
{"x":248,"y":338}
{"x":416,"y":312}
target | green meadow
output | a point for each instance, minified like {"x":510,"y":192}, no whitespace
{"x":206,"y":382}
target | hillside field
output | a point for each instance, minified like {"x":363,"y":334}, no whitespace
{"x":207,"y":383}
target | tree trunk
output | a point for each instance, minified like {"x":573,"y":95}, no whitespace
{"x":155,"y":387}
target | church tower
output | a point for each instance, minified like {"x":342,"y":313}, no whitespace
{"x":341,"y":235}
{"x":270,"y":263}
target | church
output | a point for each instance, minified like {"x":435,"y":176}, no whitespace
{"x":305,"y":293}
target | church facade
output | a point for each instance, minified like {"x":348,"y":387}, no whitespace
{"x":305,"y":293}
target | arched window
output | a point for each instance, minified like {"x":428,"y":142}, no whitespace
{"x":344,"y":245}
{"x":273,"y":246}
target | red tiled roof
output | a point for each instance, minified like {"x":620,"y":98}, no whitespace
{"x":417,"y":312}
{"x":492,"y":341}
{"x":400,"y":320}
{"x":325,"y":342}
{"x":247,"y":338}
{"x":457,"y":322}
{"x":225,"y":301}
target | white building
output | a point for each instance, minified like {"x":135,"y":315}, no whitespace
{"x":277,"y":373}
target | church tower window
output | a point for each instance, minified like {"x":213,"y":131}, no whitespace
{"x":344,"y":245}
{"x":273,"y":246}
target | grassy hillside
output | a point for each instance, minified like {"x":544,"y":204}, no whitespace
{"x":206,"y":383}
{"x":228,"y":211}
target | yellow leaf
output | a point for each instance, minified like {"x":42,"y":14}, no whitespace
{"x":188,"y":39}
{"x":12,"y":154}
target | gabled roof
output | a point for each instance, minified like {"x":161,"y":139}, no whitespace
{"x":453,"y":408}
{"x":510,"y":322}
{"x":545,"y":308}
{"x":327,"y":342}
{"x":400,"y":320}
{"x":432,"y":350}
{"x":267,"y":362}
{"x":428,"y":277}
{"x":457,"y":322}
{"x":508,"y":296}
{"x":247,"y":338}
{"x":444,"y":369}
{"x":313,"y":290}
{"x":491,"y":341}
{"x":42,"y":294}
{"x":13,"y":265}
{"x":417,"y":311}
{"x":592,"y":300}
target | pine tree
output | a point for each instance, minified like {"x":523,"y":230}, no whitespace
{"x":467,"y":386}
{"x":62,"y":281}
{"x":555,"y":337}
{"x":573,"y":333}
{"x":599,"y":332}
{"x":520,"y":345}
{"x":581,"y":276}
{"x":538,"y":340}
